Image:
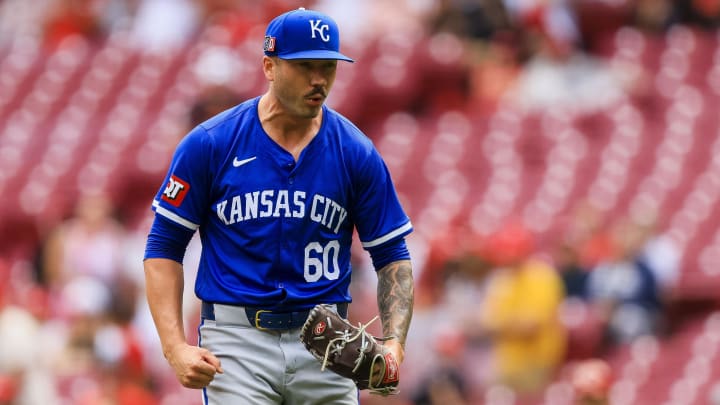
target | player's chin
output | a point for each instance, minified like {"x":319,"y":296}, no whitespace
{"x":311,"y":111}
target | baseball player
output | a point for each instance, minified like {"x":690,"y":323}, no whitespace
{"x":276,"y":187}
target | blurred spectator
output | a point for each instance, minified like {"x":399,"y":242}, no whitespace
{"x":492,"y":48}
{"x":365,"y":21}
{"x":450,"y":287}
{"x":587,"y":234}
{"x":68,"y":18}
{"x":448,"y":381}
{"x":574,"y":275}
{"x":160,"y":25}
{"x":584,"y":326}
{"x":97,"y":356}
{"x":553,"y":23}
{"x":591,"y":381}
{"x":430,"y":277}
{"x":445,"y":386}
{"x":211,"y":101}
{"x":89,"y":244}
{"x":121,"y":370}
{"x":453,"y":255}
{"x":701,"y":13}
{"x":237,"y":18}
{"x":72,"y":358}
{"x":121,"y":348}
{"x":494,"y":68}
{"x":654,"y":15}
{"x":457,"y":339}
{"x":24,"y":379}
{"x":557,"y":71}
{"x":469,"y":19}
{"x":565,"y":77}
{"x":658,"y":251}
{"x":520,"y":312}
{"x":625,"y":288}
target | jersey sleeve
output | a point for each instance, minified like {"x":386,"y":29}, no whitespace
{"x":379,"y":216}
{"x":185,"y":192}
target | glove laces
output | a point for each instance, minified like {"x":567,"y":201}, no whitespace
{"x":337,"y":345}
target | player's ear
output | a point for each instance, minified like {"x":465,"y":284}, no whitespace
{"x":269,"y":64}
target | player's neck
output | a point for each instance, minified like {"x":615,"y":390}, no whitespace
{"x":291,"y":133}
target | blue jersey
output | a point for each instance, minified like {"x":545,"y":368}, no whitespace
{"x":275,"y":232}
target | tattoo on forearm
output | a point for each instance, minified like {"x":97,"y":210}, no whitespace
{"x":395,"y":298}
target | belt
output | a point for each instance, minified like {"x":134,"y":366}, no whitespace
{"x":270,"y":319}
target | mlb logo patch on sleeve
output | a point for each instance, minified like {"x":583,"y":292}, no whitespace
{"x":175,"y":191}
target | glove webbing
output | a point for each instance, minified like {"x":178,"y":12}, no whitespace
{"x":337,"y":345}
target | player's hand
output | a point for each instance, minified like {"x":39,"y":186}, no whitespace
{"x":396,"y":349}
{"x":195,"y":367}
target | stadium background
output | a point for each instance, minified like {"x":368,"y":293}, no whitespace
{"x":535,"y":119}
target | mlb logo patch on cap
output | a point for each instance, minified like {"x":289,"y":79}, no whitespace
{"x":303,"y":34}
{"x":269,"y":44}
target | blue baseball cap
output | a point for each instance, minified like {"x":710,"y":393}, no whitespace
{"x":303,"y":34}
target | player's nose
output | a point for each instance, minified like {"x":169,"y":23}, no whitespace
{"x":318,"y":78}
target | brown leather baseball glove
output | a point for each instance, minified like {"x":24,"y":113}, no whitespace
{"x":350,"y":351}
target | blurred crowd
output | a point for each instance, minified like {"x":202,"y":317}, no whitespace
{"x":497,"y":317}
{"x":513,"y":315}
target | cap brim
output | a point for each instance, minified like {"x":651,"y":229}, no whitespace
{"x":316,"y":54}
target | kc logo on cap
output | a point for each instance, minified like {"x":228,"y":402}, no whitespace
{"x":303,"y":34}
{"x":320,"y":29}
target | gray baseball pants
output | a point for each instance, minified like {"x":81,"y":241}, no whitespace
{"x":265,"y":366}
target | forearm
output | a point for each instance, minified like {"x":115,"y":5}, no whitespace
{"x":164,"y":288}
{"x":395,"y":294}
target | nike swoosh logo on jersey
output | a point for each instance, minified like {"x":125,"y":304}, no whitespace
{"x":238,"y":163}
